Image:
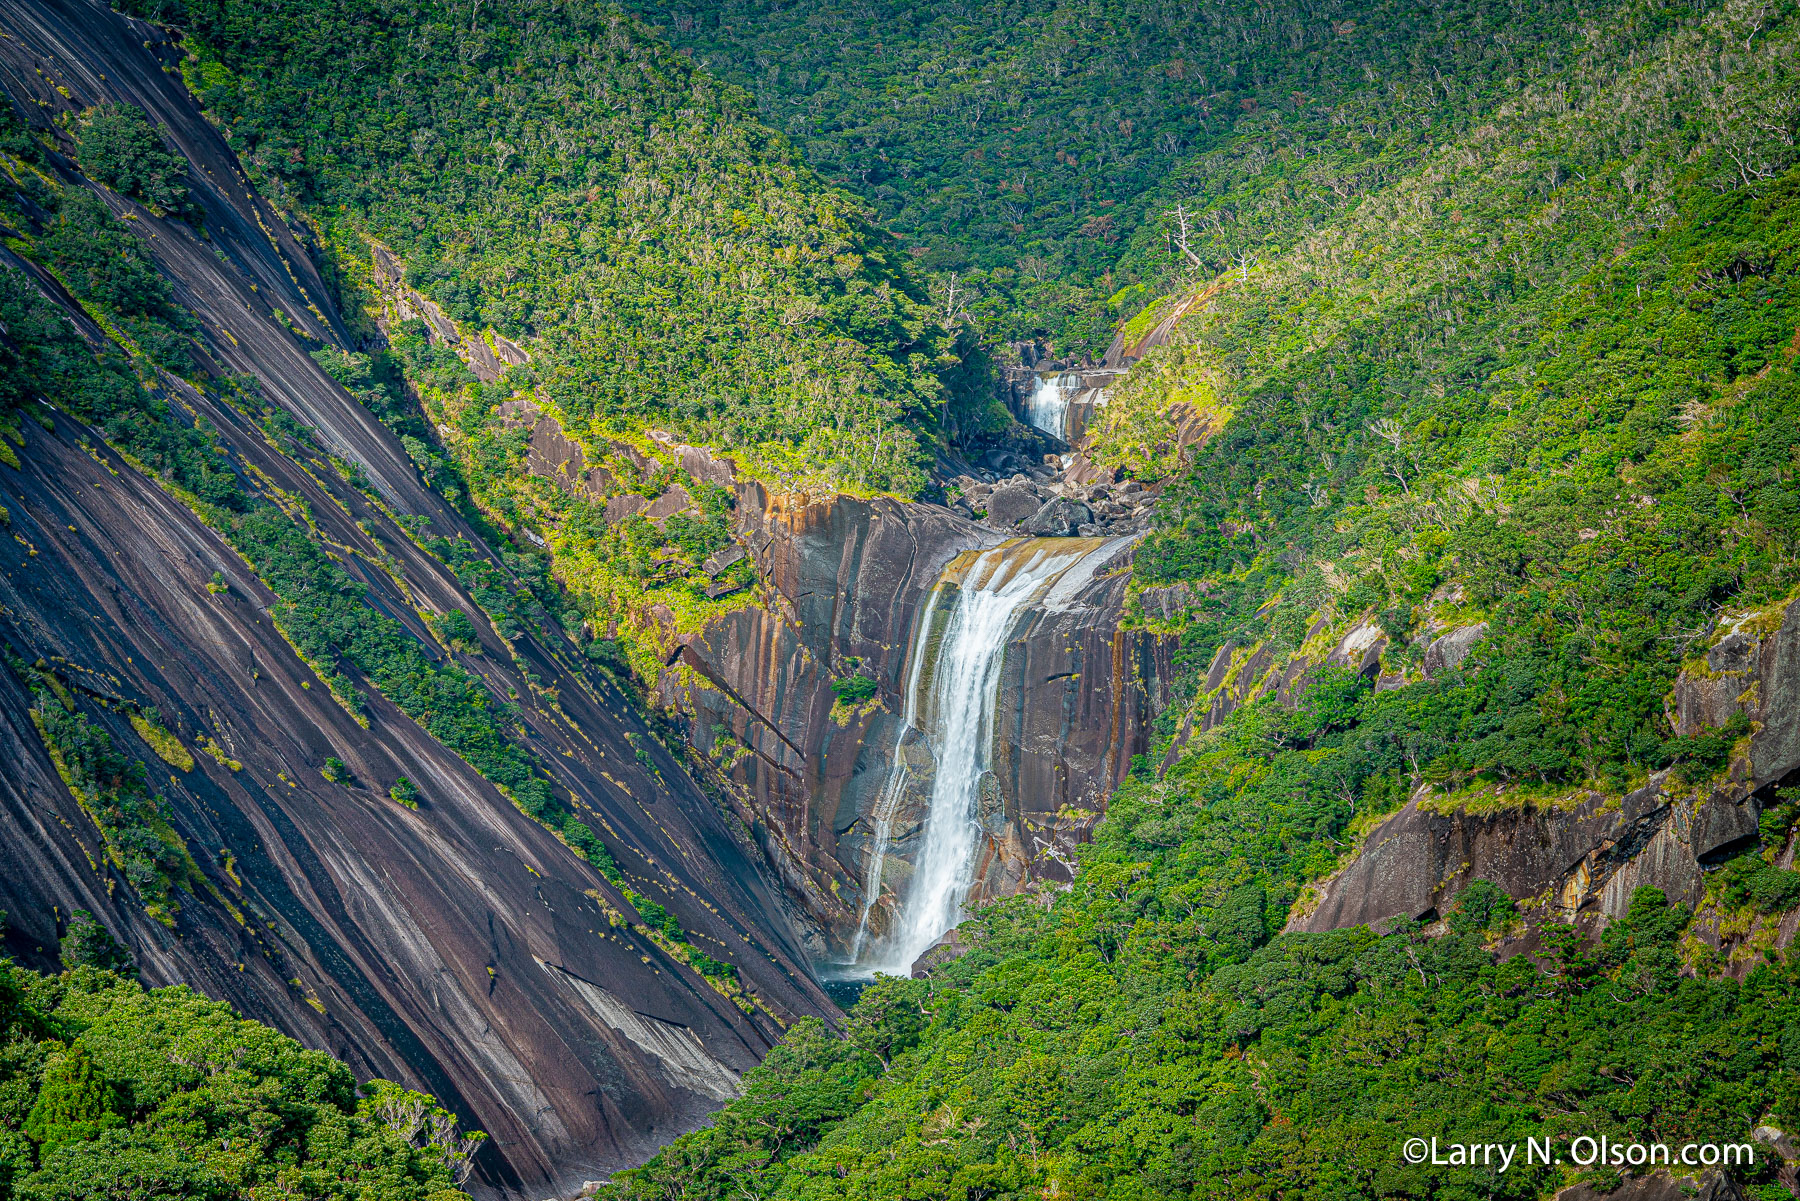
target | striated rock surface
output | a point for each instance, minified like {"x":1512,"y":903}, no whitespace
{"x":1077,"y":693}
{"x":841,"y":582}
{"x":1711,"y":1184}
{"x":457,"y":948}
{"x":844,"y":580}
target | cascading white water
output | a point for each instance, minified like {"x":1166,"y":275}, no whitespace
{"x":958,"y":717}
{"x":887,"y":807}
{"x":1049,"y":403}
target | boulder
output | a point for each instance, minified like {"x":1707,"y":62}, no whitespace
{"x":1752,"y":667}
{"x":1787,"y":1154}
{"x":1170,"y":601}
{"x":1712,"y":1185}
{"x":1776,"y":750}
{"x":619,"y":507}
{"x":675,"y":500}
{"x":723,"y":559}
{"x":952,"y":946}
{"x":1447,"y":652}
{"x":1011,"y":504}
{"x":719,"y":588}
{"x":1056,"y":518}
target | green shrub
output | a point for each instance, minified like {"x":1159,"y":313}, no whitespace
{"x":125,"y":1095}
{"x":853,"y":689}
{"x":406,"y":792}
{"x":117,"y":146}
{"x":87,"y":943}
{"x":74,"y":1102}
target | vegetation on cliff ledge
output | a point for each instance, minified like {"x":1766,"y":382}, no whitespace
{"x":1537,"y":372}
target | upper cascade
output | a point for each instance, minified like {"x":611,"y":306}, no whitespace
{"x":1048,"y":405}
{"x":1062,"y":402}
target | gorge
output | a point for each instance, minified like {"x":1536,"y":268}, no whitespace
{"x":1091,"y":600}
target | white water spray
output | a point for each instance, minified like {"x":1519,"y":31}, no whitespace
{"x":958,"y":715}
{"x":1049,"y":403}
{"x":887,"y":807}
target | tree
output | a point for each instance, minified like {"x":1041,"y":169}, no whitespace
{"x":890,"y":1016}
{"x":87,"y":943}
{"x":118,"y":147}
{"x":75,"y":1102}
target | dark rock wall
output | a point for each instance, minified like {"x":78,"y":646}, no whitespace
{"x":1077,"y":694}
{"x":459,"y":948}
{"x":845,"y":579}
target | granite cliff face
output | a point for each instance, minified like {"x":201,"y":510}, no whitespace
{"x":458,"y":947}
{"x":1576,"y":860}
{"x":845,"y":581}
{"x":841,"y":582}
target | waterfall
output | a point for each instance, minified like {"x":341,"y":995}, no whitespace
{"x":894,"y":791}
{"x":1058,"y":392}
{"x":950,"y":699}
{"x":1049,"y":403}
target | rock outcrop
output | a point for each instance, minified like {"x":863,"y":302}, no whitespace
{"x":1710,"y":1184}
{"x":843,"y":581}
{"x":1581,"y":858}
{"x":1051,"y":504}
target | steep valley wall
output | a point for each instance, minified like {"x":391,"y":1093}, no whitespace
{"x":845,"y":580}
{"x":1579,"y":859}
{"x":459,"y":947}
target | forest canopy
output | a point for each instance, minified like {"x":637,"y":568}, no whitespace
{"x":558,"y":176}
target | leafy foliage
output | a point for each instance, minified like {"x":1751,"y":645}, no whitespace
{"x":87,"y":943}
{"x":113,"y":789}
{"x":43,"y":358}
{"x":1534,"y":372}
{"x":555,"y":174}
{"x":1029,"y":147}
{"x":853,"y":689}
{"x":1576,"y":427}
{"x":108,"y":1091}
{"x":117,"y":146}
{"x":1150,"y":1035}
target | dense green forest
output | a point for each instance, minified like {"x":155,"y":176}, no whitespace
{"x":1546,"y":382}
{"x":1533,"y":368}
{"x":1502,"y":331}
{"x":1034,"y":149}
{"x":556,"y":175}
{"x":110,"y":1092}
